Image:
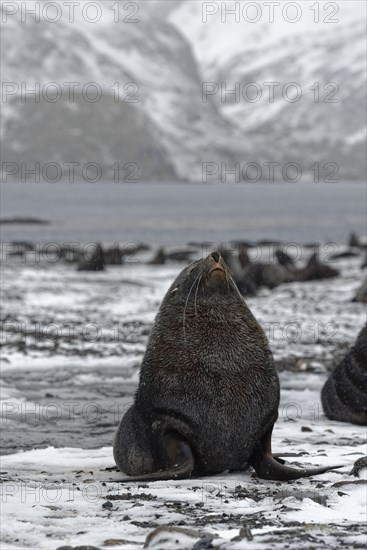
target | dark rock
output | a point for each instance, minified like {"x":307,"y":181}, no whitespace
{"x":24,"y":220}
{"x":361,"y":295}
{"x":117,"y":542}
{"x":359,"y":465}
{"x":268,"y":242}
{"x":107,"y":505}
{"x":345,"y":254}
{"x":204,"y":544}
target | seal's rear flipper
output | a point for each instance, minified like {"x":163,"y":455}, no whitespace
{"x":179,"y":454}
{"x":279,"y":459}
{"x":181,"y":471}
{"x":269,"y":467}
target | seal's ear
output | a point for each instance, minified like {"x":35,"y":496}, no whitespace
{"x":268,"y":467}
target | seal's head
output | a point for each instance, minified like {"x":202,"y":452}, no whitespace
{"x":201,"y":311}
{"x":206,"y":281}
{"x":203,"y":323}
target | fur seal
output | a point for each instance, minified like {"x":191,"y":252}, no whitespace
{"x":243,"y":257}
{"x":313,"y":271}
{"x":344,"y":395}
{"x":248,"y":275}
{"x":93,"y":261}
{"x":208,"y":394}
{"x":114,"y":255}
{"x":284,"y":259}
{"x":159,"y":258}
{"x":353,"y":240}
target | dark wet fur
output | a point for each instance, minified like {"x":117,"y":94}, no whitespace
{"x":209,"y":392}
{"x":344,"y":395}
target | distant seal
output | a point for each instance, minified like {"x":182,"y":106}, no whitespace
{"x":243,"y":257}
{"x":284,"y":259}
{"x":159,"y":258}
{"x":344,"y":395}
{"x":314,"y":270}
{"x":114,"y":255}
{"x":92,"y":260}
{"x":208,"y":395}
{"x":354,"y":240}
{"x":248,"y":275}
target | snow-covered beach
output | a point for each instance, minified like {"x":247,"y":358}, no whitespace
{"x":139,"y":136}
{"x":72,"y":345}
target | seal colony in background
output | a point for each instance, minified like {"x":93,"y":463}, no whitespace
{"x":208,"y":394}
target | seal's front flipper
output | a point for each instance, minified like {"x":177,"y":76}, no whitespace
{"x":268,"y":467}
{"x":180,"y":461}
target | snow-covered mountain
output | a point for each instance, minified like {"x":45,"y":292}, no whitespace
{"x":308,"y":100}
{"x":159,"y":120}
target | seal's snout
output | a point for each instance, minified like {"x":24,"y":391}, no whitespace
{"x":216,"y":257}
{"x":216,"y":266}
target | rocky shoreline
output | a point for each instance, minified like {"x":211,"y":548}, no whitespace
{"x":72,"y":342}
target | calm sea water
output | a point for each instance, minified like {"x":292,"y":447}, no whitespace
{"x":177,"y":213}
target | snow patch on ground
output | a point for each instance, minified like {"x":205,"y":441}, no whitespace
{"x":59,"y":491}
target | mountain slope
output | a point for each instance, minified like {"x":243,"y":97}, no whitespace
{"x":159,"y":122}
{"x":323,"y":119}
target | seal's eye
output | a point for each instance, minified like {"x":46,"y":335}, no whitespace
{"x":174,"y":290}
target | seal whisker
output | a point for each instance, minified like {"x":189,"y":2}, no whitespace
{"x":235,"y":286}
{"x":237,"y":290}
{"x":196,"y":294}
{"x":186,"y":302}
